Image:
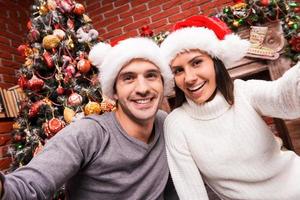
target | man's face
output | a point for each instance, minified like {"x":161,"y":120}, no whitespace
{"x":139,"y":90}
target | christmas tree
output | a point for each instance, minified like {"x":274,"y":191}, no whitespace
{"x":60,"y":82}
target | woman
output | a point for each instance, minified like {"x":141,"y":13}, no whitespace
{"x":216,"y":134}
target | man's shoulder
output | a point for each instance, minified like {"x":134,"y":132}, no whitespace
{"x":161,"y":115}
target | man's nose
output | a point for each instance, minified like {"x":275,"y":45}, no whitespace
{"x":142,"y":86}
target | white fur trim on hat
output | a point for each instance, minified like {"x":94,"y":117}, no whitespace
{"x":229,"y":50}
{"x":126,"y":50}
{"x":98,"y":53}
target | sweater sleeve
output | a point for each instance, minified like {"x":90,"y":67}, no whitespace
{"x":185,"y":174}
{"x":62,"y":157}
{"x":279,"y":98}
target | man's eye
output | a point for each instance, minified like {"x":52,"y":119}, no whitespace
{"x":127,"y":78}
{"x":152,"y":75}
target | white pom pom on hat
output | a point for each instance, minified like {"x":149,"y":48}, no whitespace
{"x":98,"y":53}
{"x":207,"y":34}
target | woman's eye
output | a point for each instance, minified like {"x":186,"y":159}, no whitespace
{"x":177,"y":70}
{"x":197,"y":62}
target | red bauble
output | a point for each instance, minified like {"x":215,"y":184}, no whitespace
{"x":35,"y":107}
{"x":35,"y":84}
{"x":55,"y":125}
{"x":265,"y":2}
{"x":79,"y":9}
{"x":70,"y":70}
{"x":295,"y":43}
{"x":22,"y":82}
{"x":84,"y":65}
{"x":48,"y":59}
{"x":22,"y":49}
{"x":60,"y":90}
{"x":75,"y":99}
{"x":146,"y":31}
{"x":33,"y":35}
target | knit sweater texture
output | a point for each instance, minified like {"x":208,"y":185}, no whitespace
{"x":98,"y":160}
{"x":231,"y":148}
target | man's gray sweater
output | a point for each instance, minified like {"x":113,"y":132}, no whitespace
{"x":97,"y":160}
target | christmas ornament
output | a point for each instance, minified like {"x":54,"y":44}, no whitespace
{"x":16,"y":125}
{"x":59,"y":33}
{"x":265,"y":2}
{"x":48,"y":59}
{"x":60,"y":90}
{"x":74,"y":99}
{"x":34,"y":109}
{"x":86,"y":19}
{"x":53,"y":126}
{"x":78,"y":9}
{"x":83,"y":65}
{"x":68,"y":114}
{"x":51,"y":4}
{"x":88,"y":36}
{"x":295,"y":43}
{"x":146,"y":31}
{"x":43,"y":9}
{"x":107,"y":106}
{"x":238,"y":1}
{"x":67,"y":7}
{"x":29,"y":25}
{"x":33,"y":35}
{"x":70,"y":24}
{"x":50,"y":41}
{"x":24,"y":50}
{"x":70,"y":70}
{"x":35,"y":83}
{"x":92,"y":108}
{"x":22,"y":82}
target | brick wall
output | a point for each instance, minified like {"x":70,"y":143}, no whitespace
{"x":13,"y":19}
{"x":124,"y":17}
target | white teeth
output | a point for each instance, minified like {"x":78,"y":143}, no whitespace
{"x":142,"y":101}
{"x":196,"y":87}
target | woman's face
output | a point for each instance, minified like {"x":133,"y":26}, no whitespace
{"x":195,"y":75}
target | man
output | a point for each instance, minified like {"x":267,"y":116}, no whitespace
{"x":119,"y":155}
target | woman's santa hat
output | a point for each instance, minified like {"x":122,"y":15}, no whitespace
{"x":206,"y":34}
{"x":110,"y":60}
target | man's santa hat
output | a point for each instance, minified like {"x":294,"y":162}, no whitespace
{"x":207,"y":34}
{"x":110,"y":60}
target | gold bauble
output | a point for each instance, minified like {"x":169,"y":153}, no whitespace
{"x":92,"y":108}
{"x":51,"y":4}
{"x":16,"y":125}
{"x":236,"y":23}
{"x":69,"y":114}
{"x":43,"y":10}
{"x":50,"y":41}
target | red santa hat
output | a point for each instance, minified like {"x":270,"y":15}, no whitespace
{"x":110,"y":60}
{"x":206,"y":34}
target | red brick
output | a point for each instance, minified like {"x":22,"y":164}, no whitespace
{"x":5,"y":163}
{"x":165,"y":28}
{"x":93,"y":6}
{"x":137,"y":2}
{"x":5,"y":139}
{"x":4,"y":40}
{"x":5,"y":55}
{"x":107,"y":21}
{"x":18,"y":58}
{"x":171,"y":3}
{"x":104,"y":2}
{"x":133,"y":11}
{"x":147,"y":13}
{"x":7,"y":63}
{"x":136,"y":25}
{"x":158,"y":24}
{"x":7,"y":70}
{"x":12,"y":36}
{"x":165,"y":14}
{"x":9,"y":79}
{"x":119,"y":24}
{"x":131,"y":33}
{"x":155,"y":3}
{"x":183,"y":15}
{"x":3,"y":151}
{"x":6,"y":127}
{"x":101,"y":10}
{"x":120,"y":2}
{"x":116,"y":11}
{"x":5,"y":85}
{"x":111,"y":34}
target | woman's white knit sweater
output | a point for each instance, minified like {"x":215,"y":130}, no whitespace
{"x":231,"y":148}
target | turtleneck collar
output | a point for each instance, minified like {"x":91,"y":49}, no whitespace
{"x":208,"y":110}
